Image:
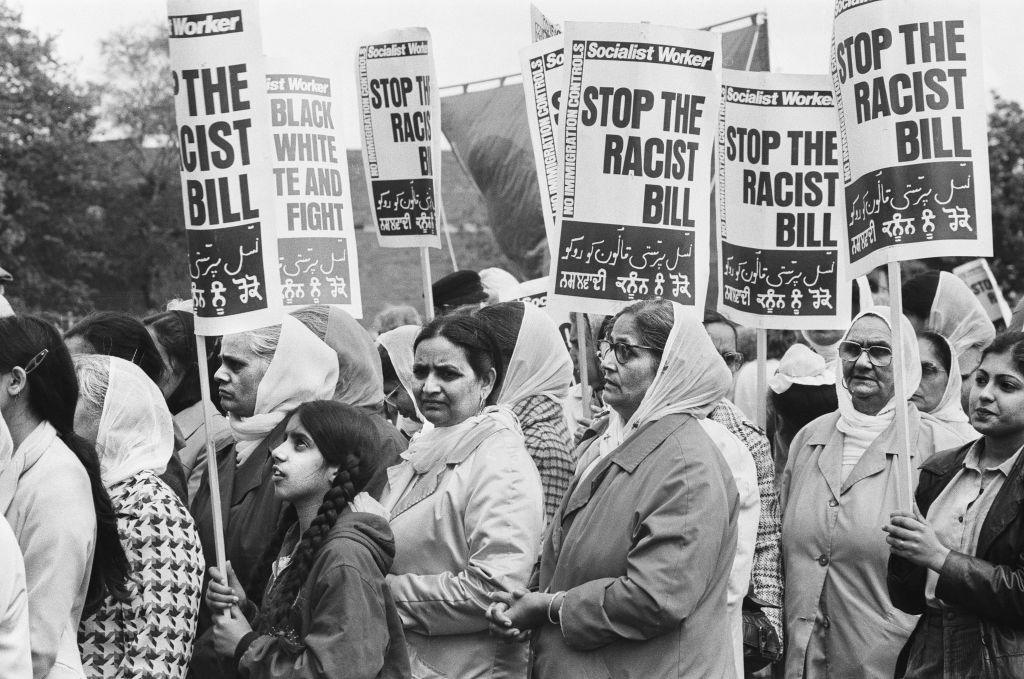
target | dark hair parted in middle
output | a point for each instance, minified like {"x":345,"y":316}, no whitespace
{"x":346,"y":437}
{"x":653,"y":319}
{"x":940,"y":346}
{"x":476,"y":341}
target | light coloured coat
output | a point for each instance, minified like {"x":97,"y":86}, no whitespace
{"x":52,"y":516}
{"x":467,"y":525}
{"x":839,"y":619}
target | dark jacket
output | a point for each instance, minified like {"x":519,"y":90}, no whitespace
{"x":989,"y":585}
{"x":344,"y":617}
{"x":249,"y":508}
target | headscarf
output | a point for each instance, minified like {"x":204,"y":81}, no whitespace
{"x":136,"y":432}
{"x":399,"y":345}
{"x":860,"y":429}
{"x":692,"y":378}
{"x":303,"y":369}
{"x":540,"y":363}
{"x":429,"y":446}
{"x":949,"y":413}
{"x":829,"y":352}
{"x":359,"y":379}
{"x":958,"y":316}
{"x":496,"y":282}
{"x":800,"y":365}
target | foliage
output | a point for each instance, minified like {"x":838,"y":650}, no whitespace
{"x":47,"y":228}
{"x":1006,"y":167}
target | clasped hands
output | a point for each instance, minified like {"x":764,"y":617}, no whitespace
{"x":512,"y":615}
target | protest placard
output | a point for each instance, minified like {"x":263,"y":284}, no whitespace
{"x":401,"y":150}
{"x":542,"y":64}
{"x":223,"y":131}
{"x":313,"y":208}
{"x":982,"y":282}
{"x":542,"y":27}
{"x":781,"y":228}
{"x":640,"y":108}
{"x":909,"y":89}
{"x":536,"y":292}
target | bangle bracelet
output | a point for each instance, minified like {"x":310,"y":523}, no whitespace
{"x":552,"y":616}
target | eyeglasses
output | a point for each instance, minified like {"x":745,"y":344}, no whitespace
{"x":878,"y":355}
{"x":623,"y":351}
{"x":390,"y":395}
{"x":733,"y":359}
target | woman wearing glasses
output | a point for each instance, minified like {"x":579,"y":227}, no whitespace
{"x":635,"y":566}
{"x":938,"y":396}
{"x":843,"y":478}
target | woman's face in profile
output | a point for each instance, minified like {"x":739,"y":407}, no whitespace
{"x":626,"y":383}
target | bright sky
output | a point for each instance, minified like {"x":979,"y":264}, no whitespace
{"x":479,"y":39}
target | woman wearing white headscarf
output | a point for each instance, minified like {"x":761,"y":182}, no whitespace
{"x":537,"y":374}
{"x":844,"y":476}
{"x":395,"y":348}
{"x":938,"y":396}
{"x":149,"y":633}
{"x":264,"y":375}
{"x":941,"y":302}
{"x":634,"y":569}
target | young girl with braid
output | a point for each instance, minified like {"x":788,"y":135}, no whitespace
{"x":326,"y":611}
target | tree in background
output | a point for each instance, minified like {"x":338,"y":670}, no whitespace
{"x":141,"y":202}
{"x":1006,"y":167}
{"x":47,"y":188}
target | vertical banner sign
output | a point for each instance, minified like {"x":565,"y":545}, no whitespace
{"x":640,"y":107}
{"x":542,"y":64}
{"x":224,"y":140}
{"x":781,"y":228}
{"x":401,"y":153}
{"x":312,"y":207}
{"x":542,"y":27}
{"x":912,"y":115}
{"x":982,"y":282}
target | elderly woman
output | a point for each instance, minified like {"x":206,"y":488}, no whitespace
{"x":635,"y":567}
{"x":264,"y":375}
{"x":938,"y":396}
{"x":961,"y":565}
{"x":844,"y":476}
{"x":149,"y":633}
{"x":466,"y":508}
{"x":537,"y":372}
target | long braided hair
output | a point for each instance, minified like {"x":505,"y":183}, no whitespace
{"x":344,"y":435}
{"x":53,"y":396}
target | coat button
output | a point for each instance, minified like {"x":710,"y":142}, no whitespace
{"x":833,"y":502}
{"x":823,"y":560}
{"x":826,"y":623}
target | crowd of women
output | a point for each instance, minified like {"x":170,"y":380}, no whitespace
{"x":444,"y":501}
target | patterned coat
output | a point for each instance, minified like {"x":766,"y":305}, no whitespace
{"x":549,"y":443}
{"x":148,"y":635}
